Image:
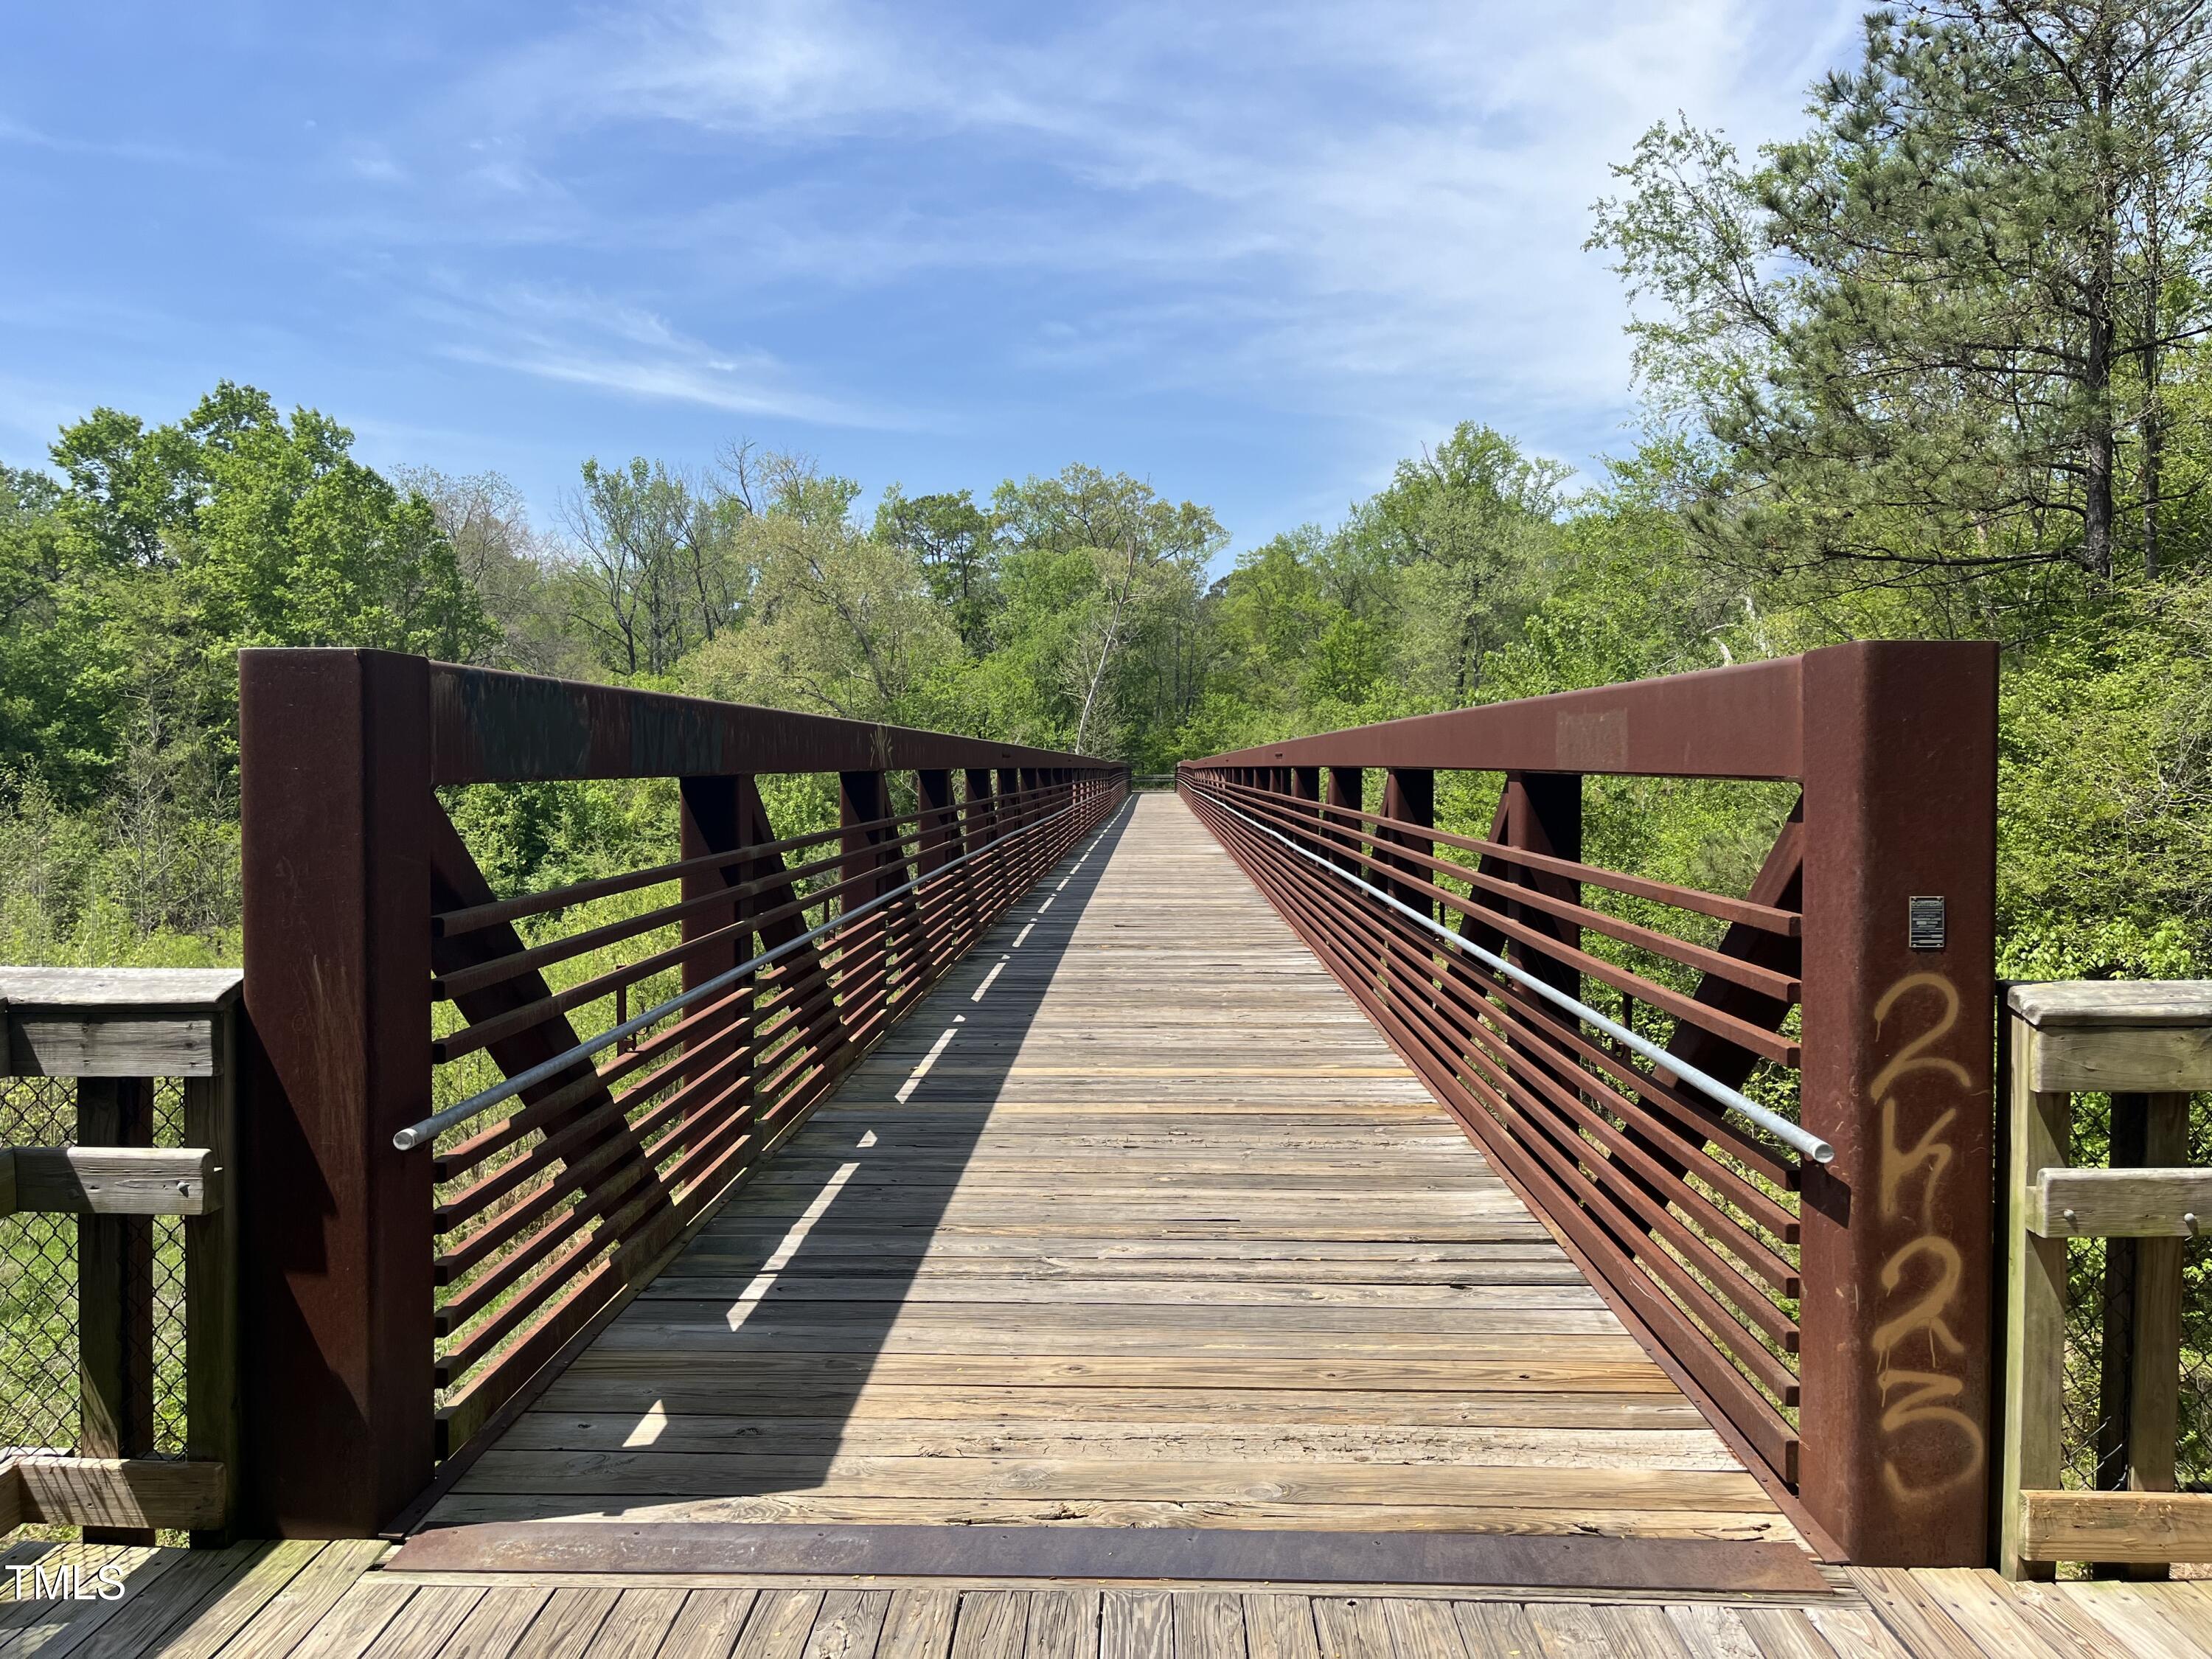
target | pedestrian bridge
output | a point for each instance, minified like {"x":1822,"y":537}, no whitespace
{"x":1027,"y":1217}
{"x":1134,"y":1220}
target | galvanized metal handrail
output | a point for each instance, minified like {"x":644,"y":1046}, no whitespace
{"x":1794,"y":1135}
{"x":437,"y":1123}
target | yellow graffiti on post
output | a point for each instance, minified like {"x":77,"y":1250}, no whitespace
{"x":1914,"y":1387}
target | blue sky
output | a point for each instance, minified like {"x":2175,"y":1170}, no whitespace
{"x":1253,"y":254}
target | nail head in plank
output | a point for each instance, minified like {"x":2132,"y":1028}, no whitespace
{"x":2122,"y":1203}
{"x":116,"y":1180}
{"x":2115,"y":1526}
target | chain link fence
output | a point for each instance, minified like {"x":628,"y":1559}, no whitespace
{"x":2100,"y":1314}
{"x":38,"y":1311}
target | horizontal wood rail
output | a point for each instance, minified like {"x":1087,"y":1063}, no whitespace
{"x":1814,"y":1308}
{"x":115,"y":1031}
{"x":110,"y":1180}
{"x":2150,"y":1047}
{"x":114,"y":1494}
{"x":733,"y":981}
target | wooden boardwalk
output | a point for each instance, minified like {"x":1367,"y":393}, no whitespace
{"x":1135,"y":1220}
{"x":307,"y":1601}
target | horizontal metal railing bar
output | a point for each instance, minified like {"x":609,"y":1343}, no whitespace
{"x":641,"y":1204}
{"x":768,"y":1042}
{"x":430,"y":1127}
{"x":1741,"y":721}
{"x":492,"y":726}
{"x":1790,"y":1134}
{"x":456,"y":1161}
{"x":1765,"y":917}
{"x":1767,"y":981}
{"x":571,"y":1142}
{"x":477,"y":975}
{"x":1729,"y":1027}
{"x":482,"y":1033}
{"x":447,"y":924}
{"x":631,"y":1158}
{"x":1658,"y":1109}
{"x":1561,"y":1046}
{"x":1446,"y":999}
{"x":1746,"y":1406}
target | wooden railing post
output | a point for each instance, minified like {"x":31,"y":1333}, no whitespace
{"x":1900,"y":813}
{"x":335,"y":1252}
{"x":213,"y":1425}
{"x":115,"y":1031}
{"x":115,"y":1296}
{"x":2149,"y":1046}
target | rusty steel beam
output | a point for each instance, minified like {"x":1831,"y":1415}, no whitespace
{"x":487,"y":725}
{"x":1900,"y":810}
{"x":1739,"y":722}
{"x":1169,"y":1554}
{"x":1409,"y":794}
{"x":336,"y":1248}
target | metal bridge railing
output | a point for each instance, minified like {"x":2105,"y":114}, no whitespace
{"x":487,"y":1183}
{"x":1761,"y":1120}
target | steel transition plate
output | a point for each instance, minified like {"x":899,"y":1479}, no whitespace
{"x":1183,"y":1555}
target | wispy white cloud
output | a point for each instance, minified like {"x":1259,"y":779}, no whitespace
{"x":17,"y":132}
{"x":1319,"y":201}
{"x":582,"y":338}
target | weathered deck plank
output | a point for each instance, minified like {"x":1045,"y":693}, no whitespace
{"x":354,"y":1608}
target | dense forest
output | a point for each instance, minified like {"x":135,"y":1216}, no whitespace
{"x":1932,"y":368}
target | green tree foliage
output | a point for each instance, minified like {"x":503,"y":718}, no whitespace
{"x":131,"y":584}
{"x":951,"y":539}
{"x":1133,"y":564}
{"x":654,"y":571}
{"x":838,"y":622}
{"x":1934,"y":342}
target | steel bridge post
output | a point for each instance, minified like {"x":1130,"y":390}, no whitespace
{"x":336,"y":1243}
{"x":1543,"y":813}
{"x":711,"y":820}
{"x":939,"y":843}
{"x":978,"y":824}
{"x":1900,"y":824}
{"x":1347,"y":787}
{"x":1409,"y":793}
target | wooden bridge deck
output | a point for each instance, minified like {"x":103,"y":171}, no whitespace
{"x":1135,"y":1220}
{"x":308,"y":1600}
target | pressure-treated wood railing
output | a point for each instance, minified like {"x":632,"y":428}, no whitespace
{"x":115,"y":1032}
{"x":2148,"y":1046}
